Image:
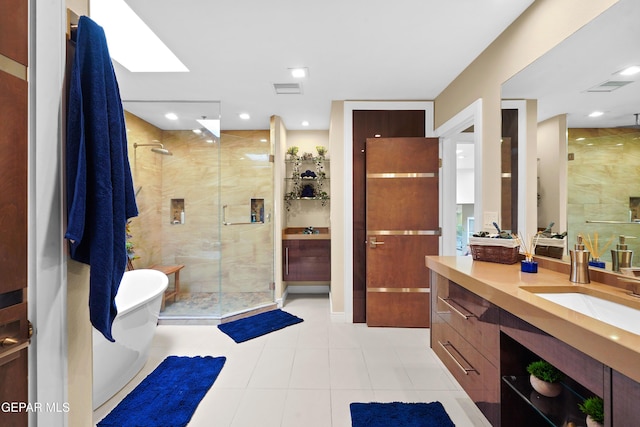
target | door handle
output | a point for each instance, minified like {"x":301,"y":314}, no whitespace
{"x":373,"y":243}
{"x":6,"y":342}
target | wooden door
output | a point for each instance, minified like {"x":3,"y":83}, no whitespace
{"x":402,"y":227}
{"x":14,"y":327}
{"x":367,"y":124}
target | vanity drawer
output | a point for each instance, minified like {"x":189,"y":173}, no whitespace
{"x":470,"y":315}
{"x":477,"y":376}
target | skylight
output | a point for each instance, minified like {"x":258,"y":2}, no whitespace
{"x":131,"y":42}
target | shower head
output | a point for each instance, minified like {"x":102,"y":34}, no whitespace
{"x":162,"y":150}
{"x":157,"y":148}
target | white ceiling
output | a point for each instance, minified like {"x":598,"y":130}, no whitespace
{"x":354,"y":50}
{"x":560,"y":79}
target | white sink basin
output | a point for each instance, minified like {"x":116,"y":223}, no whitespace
{"x":615,"y":314}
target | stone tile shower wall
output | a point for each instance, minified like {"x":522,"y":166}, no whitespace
{"x":603,"y":175}
{"x":146,"y":169}
{"x":193,"y":175}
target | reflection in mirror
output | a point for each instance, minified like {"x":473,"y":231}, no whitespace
{"x":580,"y":76}
{"x":603,"y":188}
{"x":509,"y":171}
{"x":465,"y":179}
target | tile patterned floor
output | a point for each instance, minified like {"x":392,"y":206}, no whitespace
{"x":213,"y":304}
{"x":308,"y":374}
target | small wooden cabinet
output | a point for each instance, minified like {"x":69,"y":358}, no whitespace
{"x":306,"y":260}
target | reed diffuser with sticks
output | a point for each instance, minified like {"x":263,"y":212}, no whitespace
{"x":595,"y":250}
{"x":527,"y":247}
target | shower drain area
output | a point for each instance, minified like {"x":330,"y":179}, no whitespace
{"x":211,"y":307}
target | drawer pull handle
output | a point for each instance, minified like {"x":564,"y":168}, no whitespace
{"x":466,"y":316}
{"x":465,"y":370}
{"x":6,"y":342}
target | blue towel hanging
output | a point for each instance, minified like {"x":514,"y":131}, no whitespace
{"x":100,"y":194}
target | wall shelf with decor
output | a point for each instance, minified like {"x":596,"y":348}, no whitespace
{"x":306,"y":178}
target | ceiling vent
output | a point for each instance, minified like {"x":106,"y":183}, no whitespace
{"x":288,"y":88}
{"x":609,"y":86}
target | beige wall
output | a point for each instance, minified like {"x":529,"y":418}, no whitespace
{"x":337,"y":215}
{"x":79,"y":329}
{"x":541,"y":27}
{"x":279,"y":141}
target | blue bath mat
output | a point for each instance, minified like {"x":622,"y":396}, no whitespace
{"x":169,"y":395}
{"x":399,"y":414}
{"x":242,"y":330}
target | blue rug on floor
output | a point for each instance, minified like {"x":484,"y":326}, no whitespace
{"x":399,"y":414}
{"x":169,"y":395}
{"x":242,"y":330}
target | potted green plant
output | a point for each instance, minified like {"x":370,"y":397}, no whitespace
{"x":545,"y":378}
{"x":593,"y":408}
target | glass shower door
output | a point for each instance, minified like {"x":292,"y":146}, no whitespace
{"x":247,"y":231}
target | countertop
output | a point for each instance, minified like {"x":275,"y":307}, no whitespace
{"x":297,"y":233}
{"x":501,"y":285}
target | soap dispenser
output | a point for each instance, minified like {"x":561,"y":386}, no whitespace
{"x":621,"y":256}
{"x":579,"y":263}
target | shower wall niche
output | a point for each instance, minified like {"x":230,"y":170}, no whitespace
{"x":177,"y":211}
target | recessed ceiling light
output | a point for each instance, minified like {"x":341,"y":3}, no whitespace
{"x":210,"y":141}
{"x":305,"y":123}
{"x":580,"y":139}
{"x":263,"y":140}
{"x":171,"y":116}
{"x":596,"y":114}
{"x":377,"y":135}
{"x":131,"y":42}
{"x":244,"y":116}
{"x":298,"y":73}
{"x":197,"y":131}
{"x":630,"y":71}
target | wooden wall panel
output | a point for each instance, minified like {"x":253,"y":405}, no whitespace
{"x":14,"y":25}
{"x":13,"y":183}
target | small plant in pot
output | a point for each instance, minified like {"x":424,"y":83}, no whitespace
{"x":545,"y":378}
{"x":593,"y":408}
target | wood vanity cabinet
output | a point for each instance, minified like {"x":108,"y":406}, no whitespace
{"x":487,"y":349}
{"x":465,"y":335}
{"x":624,"y":401}
{"x":306,"y":260}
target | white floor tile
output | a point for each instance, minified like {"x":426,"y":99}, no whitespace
{"x":273,"y":368}
{"x":260,"y":407}
{"x":310,"y":369}
{"x":348,"y":369}
{"x":308,"y":374}
{"x":307,"y":408}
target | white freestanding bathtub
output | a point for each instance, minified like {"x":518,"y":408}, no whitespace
{"x":115,"y":363}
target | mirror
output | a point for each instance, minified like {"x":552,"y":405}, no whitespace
{"x":595,"y":168}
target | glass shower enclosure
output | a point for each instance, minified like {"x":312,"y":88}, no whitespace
{"x":205,"y":201}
